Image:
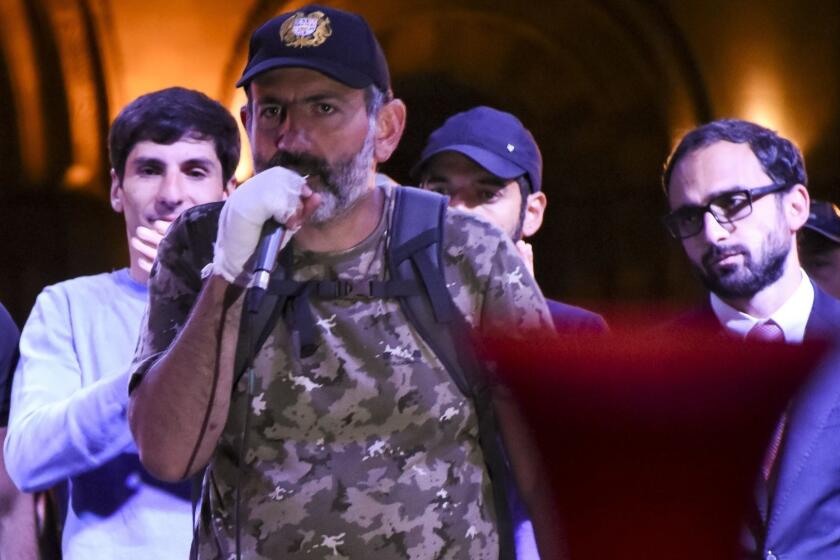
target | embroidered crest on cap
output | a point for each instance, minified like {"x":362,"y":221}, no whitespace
{"x":305,"y":30}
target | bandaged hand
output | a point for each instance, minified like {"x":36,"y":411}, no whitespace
{"x":272,"y":194}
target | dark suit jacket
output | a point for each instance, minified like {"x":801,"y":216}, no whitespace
{"x":799,"y":517}
{"x":569,"y":319}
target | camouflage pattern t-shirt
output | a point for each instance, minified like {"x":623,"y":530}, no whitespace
{"x":366,"y":448}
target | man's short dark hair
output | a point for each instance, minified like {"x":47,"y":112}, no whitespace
{"x":780,"y":159}
{"x":167,"y":116}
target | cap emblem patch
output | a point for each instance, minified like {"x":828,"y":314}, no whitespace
{"x":305,"y":30}
{"x":510,"y":148}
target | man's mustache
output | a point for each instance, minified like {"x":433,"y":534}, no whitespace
{"x":303,"y":164}
{"x":718,"y":252}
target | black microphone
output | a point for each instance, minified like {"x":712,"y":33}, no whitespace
{"x":271,"y":239}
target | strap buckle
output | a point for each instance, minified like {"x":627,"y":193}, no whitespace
{"x":358,"y":288}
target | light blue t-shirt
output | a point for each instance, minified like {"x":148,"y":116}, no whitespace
{"x":68,"y":423}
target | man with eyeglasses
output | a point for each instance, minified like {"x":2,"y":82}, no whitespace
{"x":737,"y":194}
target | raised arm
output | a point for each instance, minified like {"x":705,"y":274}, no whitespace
{"x":184,"y":366}
{"x":179,"y":410}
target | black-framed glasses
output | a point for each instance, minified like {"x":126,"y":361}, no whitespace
{"x":726,"y":208}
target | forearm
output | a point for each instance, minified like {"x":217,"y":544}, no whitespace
{"x":17,"y":519}
{"x":51,"y":440}
{"x":178,"y":411}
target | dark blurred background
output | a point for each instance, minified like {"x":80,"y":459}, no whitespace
{"x":606,"y":86}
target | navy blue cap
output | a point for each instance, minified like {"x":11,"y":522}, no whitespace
{"x":825,"y":220}
{"x":495,"y":140}
{"x":339,"y":44}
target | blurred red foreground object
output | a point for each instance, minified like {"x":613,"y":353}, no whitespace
{"x":653,"y":442}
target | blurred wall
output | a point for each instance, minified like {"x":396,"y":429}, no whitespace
{"x":605,"y":86}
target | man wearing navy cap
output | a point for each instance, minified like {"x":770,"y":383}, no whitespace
{"x":489,"y":164}
{"x":359,"y":443}
{"x":819,"y":246}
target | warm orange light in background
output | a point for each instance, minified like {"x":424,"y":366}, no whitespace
{"x":760,"y":94}
{"x":762,"y":99}
{"x":24,"y":81}
{"x":245,"y":168}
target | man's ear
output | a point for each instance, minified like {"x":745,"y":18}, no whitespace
{"x":797,"y":203}
{"x":229,"y":187}
{"x":116,"y":193}
{"x":534,"y":211}
{"x":244,"y":114}
{"x":390,"y":124}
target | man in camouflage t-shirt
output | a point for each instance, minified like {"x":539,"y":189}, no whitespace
{"x":364,"y":447}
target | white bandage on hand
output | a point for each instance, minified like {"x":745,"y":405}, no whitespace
{"x":273,"y":193}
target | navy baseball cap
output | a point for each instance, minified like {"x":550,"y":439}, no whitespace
{"x":825,"y":220}
{"x":495,"y":140}
{"x":336,"y":43}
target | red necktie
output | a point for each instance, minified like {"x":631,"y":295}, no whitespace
{"x":767,"y":331}
{"x":770,"y":331}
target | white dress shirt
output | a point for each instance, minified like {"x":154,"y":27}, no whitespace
{"x":792,"y":316}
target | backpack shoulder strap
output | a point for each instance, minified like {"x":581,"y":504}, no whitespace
{"x":416,"y":250}
{"x":254,"y":328}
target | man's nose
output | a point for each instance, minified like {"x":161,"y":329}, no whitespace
{"x":291,"y":134}
{"x":460,"y":202}
{"x":715,"y":231}
{"x":170,"y":194}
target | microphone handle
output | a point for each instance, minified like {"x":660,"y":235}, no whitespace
{"x":268,"y":248}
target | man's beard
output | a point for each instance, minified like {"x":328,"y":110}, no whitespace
{"x":752,"y":276}
{"x":341,"y":184}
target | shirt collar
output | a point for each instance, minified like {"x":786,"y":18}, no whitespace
{"x":792,"y":316}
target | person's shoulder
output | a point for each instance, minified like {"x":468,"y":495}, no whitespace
{"x":825,"y":314}
{"x":465,"y":232}
{"x":7,"y":324}
{"x":470,"y":222}
{"x":91,"y":283}
{"x":459,"y":226}
{"x":569,"y":318}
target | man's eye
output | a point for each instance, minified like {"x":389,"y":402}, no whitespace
{"x":690,"y":217}
{"x":488,"y":196}
{"x":197,"y":173}
{"x":325,"y":108}
{"x":148,"y":170}
{"x":270,"y":112}
{"x":731,"y":204}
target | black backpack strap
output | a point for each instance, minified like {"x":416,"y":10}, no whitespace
{"x":254,"y":328}
{"x":415,"y":251}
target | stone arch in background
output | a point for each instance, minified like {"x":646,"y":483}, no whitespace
{"x":53,"y":201}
